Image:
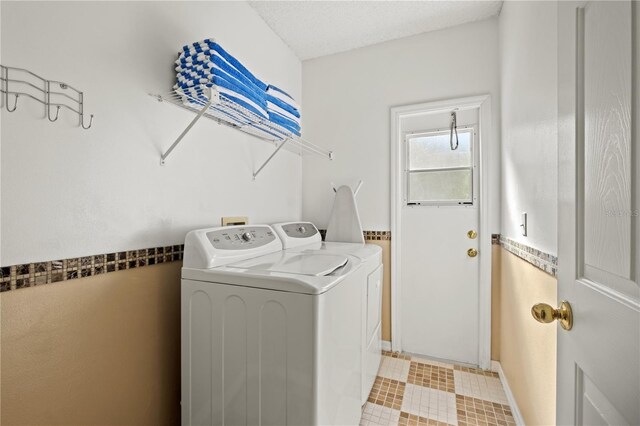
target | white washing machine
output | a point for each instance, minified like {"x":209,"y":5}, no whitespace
{"x":303,"y":237}
{"x":269,"y":337}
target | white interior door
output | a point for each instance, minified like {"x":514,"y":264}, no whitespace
{"x":599,"y":359}
{"x":440,"y":277}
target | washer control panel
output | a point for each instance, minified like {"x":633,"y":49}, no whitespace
{"x":300,"y":230}
{"x":240,"y":238}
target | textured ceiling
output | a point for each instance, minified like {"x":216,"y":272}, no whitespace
{"x":318,"y":28}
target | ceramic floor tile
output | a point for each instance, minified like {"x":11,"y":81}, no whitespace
{"x":430,"y":403}
{"x":396,"y":355}
{"x":432,"y":362}
{"x":473,"y":411}
{"x":387,"y":392}
{"x":431,"y":376}
{"x":394,"y":368}
{"x":476,"y":371}
{"x":415,"y":391}
{"x":377,"y":415}
{"x":407,"y":419}
{"x":478,"y":386}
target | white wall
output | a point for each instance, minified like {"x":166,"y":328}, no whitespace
{"x":347,"y":98}
{"x":528,"y":66}
{"x":71,"y":192}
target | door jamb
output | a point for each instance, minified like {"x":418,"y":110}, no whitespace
{"x":483,"y":103}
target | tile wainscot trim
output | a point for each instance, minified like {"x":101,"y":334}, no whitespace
{"x":541,"y":260}
{"x":368,"y":235}
{"x":39,"y":273}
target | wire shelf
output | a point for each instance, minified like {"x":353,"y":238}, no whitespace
{"x":228,"y":113}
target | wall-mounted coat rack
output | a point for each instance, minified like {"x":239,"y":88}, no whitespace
{"x":20,"y":82}
{"x":228,"y":113}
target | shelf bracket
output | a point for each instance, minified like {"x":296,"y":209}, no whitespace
{"x":204,"y":109}
{"x":269,"y":159}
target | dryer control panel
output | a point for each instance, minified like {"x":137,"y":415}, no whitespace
{"x":299,"y":230}
{"x":296,"y":234}
{"x":240,"y":238}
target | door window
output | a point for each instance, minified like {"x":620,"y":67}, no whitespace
{"x":436,"y":174}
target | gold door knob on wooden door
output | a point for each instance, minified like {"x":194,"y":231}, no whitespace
{"x":546,"y":313}
{"x":472,"y":252}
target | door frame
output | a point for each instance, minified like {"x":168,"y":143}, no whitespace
{"x":483,"y":104}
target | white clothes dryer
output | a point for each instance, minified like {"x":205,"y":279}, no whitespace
{"x":304,"y":237}
{"x":268,"y":336}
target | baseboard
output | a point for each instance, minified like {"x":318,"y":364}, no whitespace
{"x":386,"y":345}
{"x":517,"y":416}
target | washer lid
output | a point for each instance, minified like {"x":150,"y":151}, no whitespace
{"x":310,"y":264}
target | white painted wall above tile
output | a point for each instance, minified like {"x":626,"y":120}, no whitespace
{"x":528,"y":67}
{"x":70,"y":192}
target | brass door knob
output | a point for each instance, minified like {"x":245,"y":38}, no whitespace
{"x":472,"y":234}
{"x":545,"y":313}
{"x":472,"y":252}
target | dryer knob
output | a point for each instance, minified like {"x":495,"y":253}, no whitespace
{"x":247,"y":236}
{"x":302,"y":229}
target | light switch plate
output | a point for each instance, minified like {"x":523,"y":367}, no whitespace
{"x":523,"y":224}
{"x":235,"y":220}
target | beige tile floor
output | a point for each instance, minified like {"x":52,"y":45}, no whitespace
{"x":416,"y":391}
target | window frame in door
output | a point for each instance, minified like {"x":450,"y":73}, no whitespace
{"x":474,"y":169}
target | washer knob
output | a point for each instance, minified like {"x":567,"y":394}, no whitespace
{"x":302,"y":229}
{"x":247,"y":236}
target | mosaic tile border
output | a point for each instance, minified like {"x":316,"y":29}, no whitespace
{"x":377,"y":235}
{"x":39,"y":273}
{"x":368,"y":235}
{"x":541,"y":260}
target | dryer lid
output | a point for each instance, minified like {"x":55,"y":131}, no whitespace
{"x":294,"y":263}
